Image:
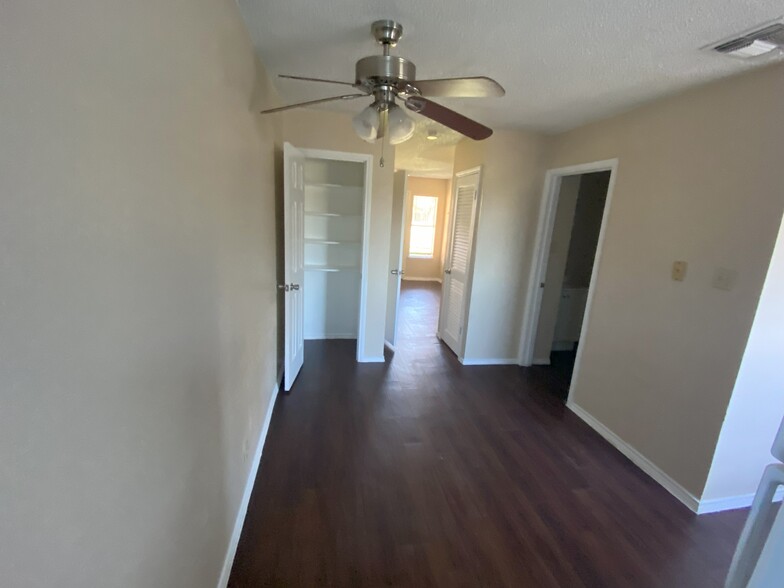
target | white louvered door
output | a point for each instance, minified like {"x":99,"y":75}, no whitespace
{"x":457,"y":266}
{"x":294,"y":245}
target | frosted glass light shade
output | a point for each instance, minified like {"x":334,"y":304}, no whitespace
{"x":366,"y":123}
{"x":401,"y":126}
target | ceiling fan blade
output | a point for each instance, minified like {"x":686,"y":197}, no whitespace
{"x":475,"y":87}
{"x":306,"y":79}
{"x":448,"y":118}
{"x":312,"y":102}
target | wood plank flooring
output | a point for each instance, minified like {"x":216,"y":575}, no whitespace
{"x":423,"y":472}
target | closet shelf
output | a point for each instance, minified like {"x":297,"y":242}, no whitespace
{"x":332,"y":214}
{"x":330,"y":242}
{"x":331,"y":268}
{"x":328,"y":185}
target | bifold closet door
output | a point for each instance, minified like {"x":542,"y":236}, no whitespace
{"x":458,"y":264}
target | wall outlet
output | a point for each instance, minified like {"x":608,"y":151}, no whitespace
{"x":679,"y":270}
{"x":724,"y":278}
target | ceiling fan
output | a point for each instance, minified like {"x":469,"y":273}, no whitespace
{"x":387,"y":78}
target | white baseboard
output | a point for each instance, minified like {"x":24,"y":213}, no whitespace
{"x":319,"y":336}
{"x":638,"y":459}
{"x":733,"y":502}
{"x":488,"y":361}
{"x":389,"y":346}
{"x":231,"y":551}
{"x":541,"y":361}
{"x":371,"y":359}
{"x":405,"y":279}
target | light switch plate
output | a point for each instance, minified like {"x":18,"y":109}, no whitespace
{"x":679,"y":270}
{"x":724,"y":278}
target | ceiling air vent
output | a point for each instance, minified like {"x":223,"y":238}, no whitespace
{"x":760,"y":41}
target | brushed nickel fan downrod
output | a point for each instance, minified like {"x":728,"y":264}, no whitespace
{"x":387,"y":32}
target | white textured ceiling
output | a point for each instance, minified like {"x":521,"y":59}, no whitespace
{"x":434,"y":157}
{"x":563,"y":62}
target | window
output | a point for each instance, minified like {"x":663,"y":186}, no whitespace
{"x":422,"y":239}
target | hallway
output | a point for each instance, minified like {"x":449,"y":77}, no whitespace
{"x":418,"y":314}
{"x":424,"y":472}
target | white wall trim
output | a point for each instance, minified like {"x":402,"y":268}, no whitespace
{"x":733,"y":502}
{"x":541,"y":361}
{"x":317,"y":336}
{"x":234,"y":540}
{"x":372,"y":359}
{"x":638,"y":458}
{"x":389,"y":346}
{"x":416,"y":279}
{"x":544,"y":232}
{"x":488,"y":361}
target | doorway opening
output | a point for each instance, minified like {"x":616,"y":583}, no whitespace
{"x":567,"y":252}
{"x":418,"y":243}
{"x":326,"y":219}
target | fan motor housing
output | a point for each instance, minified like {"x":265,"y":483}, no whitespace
{"x":389,"y":70}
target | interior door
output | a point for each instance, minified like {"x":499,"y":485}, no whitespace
{"x":458,"y":263}
{"x":399,"y":190}
{"x":294,"y":262}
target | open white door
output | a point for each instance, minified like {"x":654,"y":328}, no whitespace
{"x":399,"y":190}
{"x":294,"y":261}
{"x":457,"y":268}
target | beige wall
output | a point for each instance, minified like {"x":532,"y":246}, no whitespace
{"x":511,"y":189}
{"x":418,"y":267}
{"x":138,"y":321}
{"x":756,"y":408}
{"x":700,"y":179}
{"x":321,"y":129}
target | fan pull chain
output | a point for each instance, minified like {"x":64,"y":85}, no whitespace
{"x":381,"y":160}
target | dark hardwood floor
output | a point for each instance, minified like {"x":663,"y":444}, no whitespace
{"x":423,"y":472}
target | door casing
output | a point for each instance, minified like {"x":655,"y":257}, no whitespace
{"x":544,"y":233}
{"x":367,"y":160}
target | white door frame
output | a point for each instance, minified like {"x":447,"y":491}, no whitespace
{"x":448,"y":257}
{"x":544,"y":234}
{"x":366,"y":193}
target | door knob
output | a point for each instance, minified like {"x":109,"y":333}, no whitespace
{"x":448,"y":270}
{"x":284,"y":287}
{"x":394,"y":272}
{"x":295,"y":286}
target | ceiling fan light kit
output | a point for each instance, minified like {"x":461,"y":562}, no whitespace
{"x":367,"y":123}
{"x":388,"y":78}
